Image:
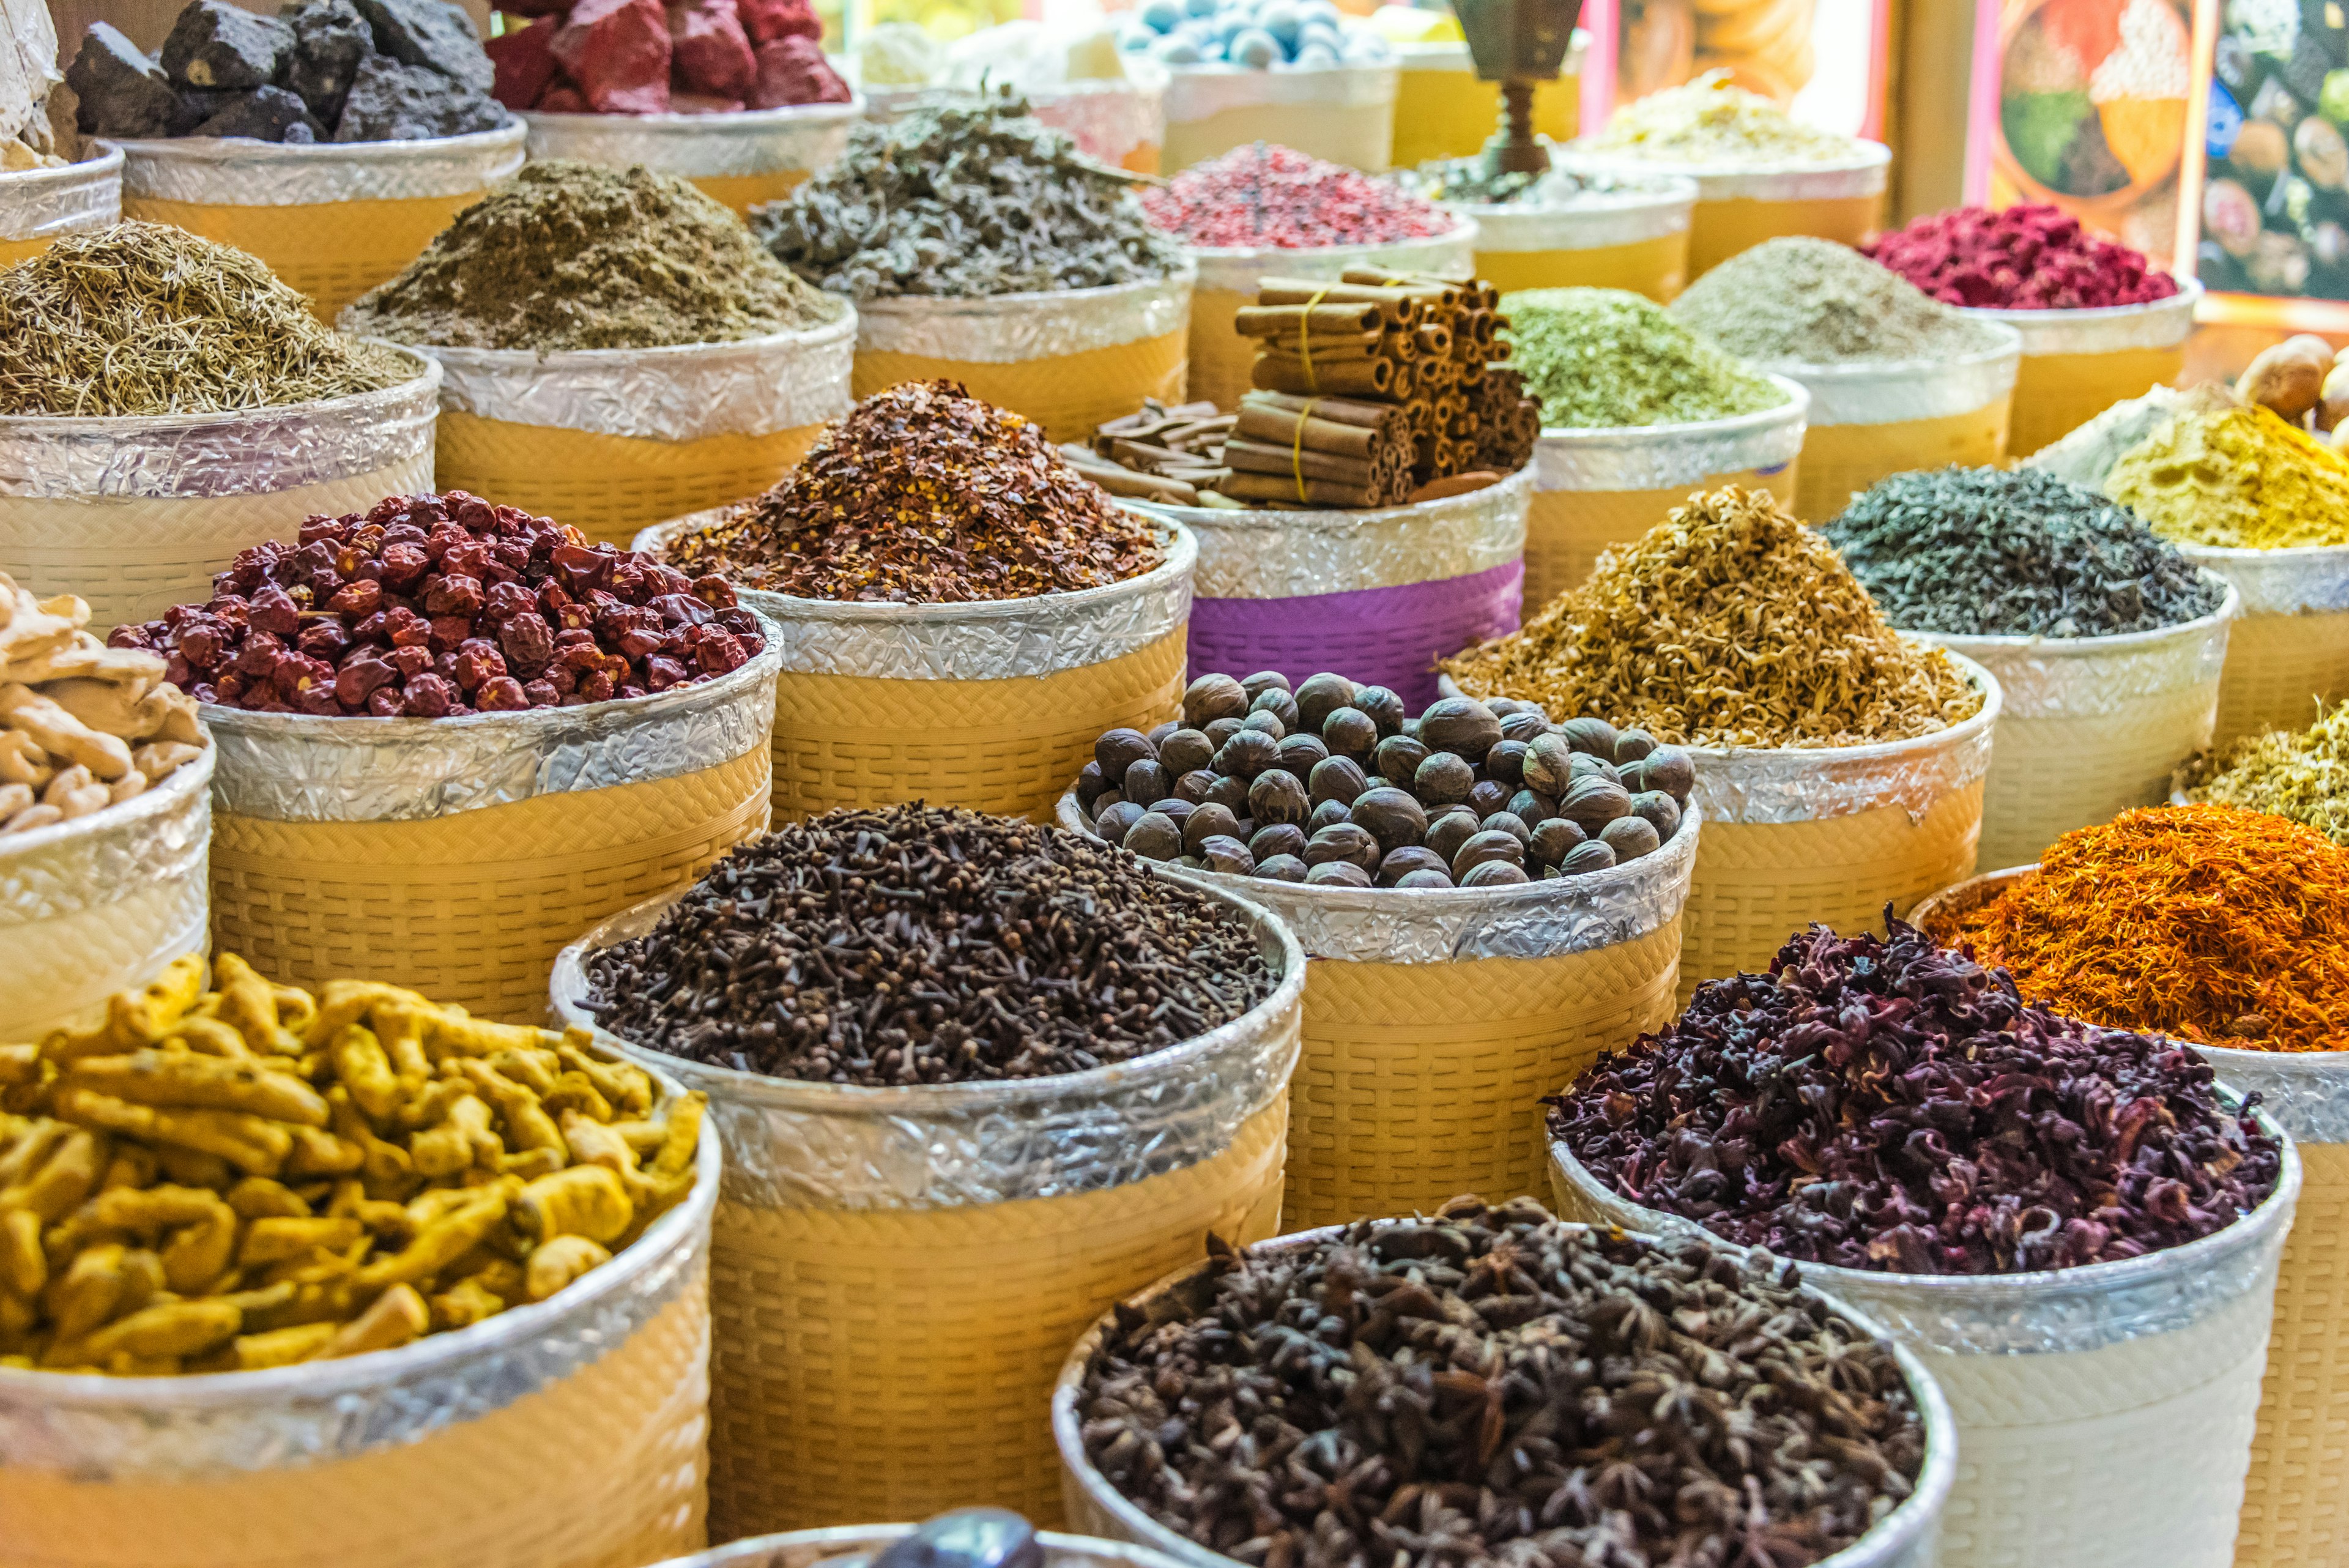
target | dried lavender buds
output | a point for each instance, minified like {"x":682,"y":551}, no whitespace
{"x":1491,"y":1386}
{"x":1893,"y":1105}
{"x":915,"y":945}
{"x":923,"y":494}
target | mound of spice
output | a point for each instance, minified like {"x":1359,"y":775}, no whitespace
{"x":1889,"y":1105}
{"x":430,"y":606}
{"x":966,"y":199}
{"x":1330,"y":785}
{"x":144,"y":318}
{"x":637,"y":57}
{"x":1729,"y":624}
{"x":2237,"y":478}
{"x":2217,"y":925}
{"x":1987,"y":552}
{"x":1264,"y":197}
{"x":2300,"y":775}
{"x":1813,"y":302}
{"x":567,"y":255}
{"x":1605,"y":358}
{"x":913,"y":945}
{"x":923,"y":494}
{"x":1489,"y":1385}
{"x":2086,"y":456}
{"x":2034,"y":256}
{"x":1709,"y":121}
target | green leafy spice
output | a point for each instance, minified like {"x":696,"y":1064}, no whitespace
{"x":2301,"y":775}
{"x":1603,"y":359}
{"x":1815,"y":302}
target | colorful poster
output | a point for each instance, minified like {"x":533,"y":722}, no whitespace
{"x":1822,"y":59}
{"x":2273,"y":214}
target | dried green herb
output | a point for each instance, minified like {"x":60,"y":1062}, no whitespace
{"x":1603,"y":358}
{"x":1729,"y":624}
{"x":1815,"y":302}
{"x":2302,"y":775}
{"x":143,"y":318}
{"x":565,"y":256}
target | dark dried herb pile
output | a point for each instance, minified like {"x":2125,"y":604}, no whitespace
{"x":915,"y":945}
{"x":923,"y":494}
{"x":1988,"y":552}
{"x":1491,"y":1386}
{"x":1893,"y":1105}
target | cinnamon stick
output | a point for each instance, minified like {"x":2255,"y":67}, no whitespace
{"x":1339,"y":410}
{"x":1280,"y":428}
{"x":1398,"y":306}
{"x":1357,"y":318}
{"x":1453,"y":484}
{"x":1282,"y":373}
{"x":1256,"y":457}
{"x":1243,"y":486}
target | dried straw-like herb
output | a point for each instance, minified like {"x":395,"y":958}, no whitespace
{"x":2301,"y":775}
{"x":144,"y":318}
{"x":1728,"y":624}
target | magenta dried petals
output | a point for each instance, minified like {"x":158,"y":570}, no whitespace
{"x":1265,"y":197}
{"x":2031,"y":257}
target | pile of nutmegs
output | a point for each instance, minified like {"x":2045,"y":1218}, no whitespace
{"x":1332,"y":783}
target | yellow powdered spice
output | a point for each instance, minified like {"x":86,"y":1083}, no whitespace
{"x":2235,"y":478}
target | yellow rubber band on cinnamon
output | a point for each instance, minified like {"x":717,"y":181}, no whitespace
{"x":1297,"y":447}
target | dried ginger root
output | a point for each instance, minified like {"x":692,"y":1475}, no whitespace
{"x":246,"y":1176}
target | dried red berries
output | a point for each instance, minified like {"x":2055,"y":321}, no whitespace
{"x":433,"y":606}
{"x":1261,"y":195}
{"x":2034,"y":258}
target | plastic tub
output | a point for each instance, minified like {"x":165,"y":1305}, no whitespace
{"x":40,"y":206}
{"x":1737,"y":208}
{"x":807,"y":1548}
{"x":2288,"y":650}
{"x":135,"y":514}
{"x":741,"y":159}
{"x":1344,"y":114}
{"x":100,"y":904}
{"x":1380,"y":593}
{"x":1868,"y":422}
{"x":1443,"y":110}
{"x":897,"y":1273}
{"x":332,"y":219}
{"x":991,"y":706}
{"x":2078,"y":363}
{"x":1436,"y":1021}
{"x":1069,"y":359}
{"x":1635,"y":240}
{"x":457,"y":856}
{"x":612,"y":440}
{"x":1597,"y":488}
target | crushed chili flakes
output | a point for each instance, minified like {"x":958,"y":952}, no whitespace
{"x":923,"y":494}
{"x":2214,"y":924}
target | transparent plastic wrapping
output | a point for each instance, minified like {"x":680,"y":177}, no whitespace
{"x":1663,"y":456}
{"x":42,"y":204}
{"x":1898,"y":391}
{"x":1862,"y":174}
{"x":1904,"y":1538}
{"x":2158,"y":323}
{"x":2310,"y":581}
{"x":1589,"y":221}
{"x":233,"y":172}
{"x":101,"y":904}
{"x":1238,"y":271}
{"x":1015,"y":328}
{"x":855,"y":1546}
{"x":299,"y":768}
{"x":1201,"y":92}
{"x":757,"y":386}
{"x":802,"y":138}
{"x":1002,"y":640}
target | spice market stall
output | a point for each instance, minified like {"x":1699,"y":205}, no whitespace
{"x":421,"y":1369}
{"x":947,"y":1161}
{"x":1562,"y":229}
{"x":2102,"y":1363}
{"x":170,"y":403}
{"x":41,"y":204}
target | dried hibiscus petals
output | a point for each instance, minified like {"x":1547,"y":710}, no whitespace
{"x":2030,"y":257}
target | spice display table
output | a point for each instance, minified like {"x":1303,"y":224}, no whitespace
{"x":37,"y":205}
{"x":741,"y":159}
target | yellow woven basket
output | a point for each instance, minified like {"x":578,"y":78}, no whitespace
{"x":2078,"y":363}
{"x":899,"y":1271}
{"x":568,"y":1434}
{"x":40,"y":206}
{"x":1870,"y":421}
{"x":1737,"y":208}
{"x":2288,"y":650}
{"x":741,"y":159}
{"x":1635,"y":239}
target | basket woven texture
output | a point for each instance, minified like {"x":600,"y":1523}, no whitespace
{"x":2050,"y":775}
{"x":333,"y":252}
{"x":1067,"y":394}
{"x":1840,"y":461}
{"x":2296,"y":1498}
{"x":2279,"y":667}
{"x":2055,"y":394}
{"x":1568,"y":530}
{"x":1656,"y":267}
{"x":1720,"y":230}
{"x":54,"y":969}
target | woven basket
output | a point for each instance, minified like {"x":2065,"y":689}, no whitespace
{"x":744,"y":159}
{"x":1382,"y":594}
{"x":1634,"y":239}
{"x":2104,"y":1414}
{"x":990,"y":706}
{"x":565,"y":1433}
{"x":99,"y":905}
{"x":1868,"y":422}
{"x":1443,"y":110}
{"x":2092,"y":725}
{"x":2078,"y":363}
{"x":1904,"y":1538}
{"x":40,"y":206}
{"x":612,"y":440}
{"x":1345,"y":114}
{"x":331,"y":219}
{"x":1738,"y":208}
{"x":899,"y":1271}
{"x":457,"y":856}
{"x":1436,"y":1021}
{"x":1597,"y":488}
{"x":1069,"y":359}
{"x":135,"y":515}
{"x":2288,"y":650}
{"x":1228,"y":279}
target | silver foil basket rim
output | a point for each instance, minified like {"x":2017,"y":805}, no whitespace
{"x":2307,"y":1092}
{"x":684,"y":355}
{"x":1860,"y":172}
{"x":1239,"y":269}
{"x":41,"y":204}
{"x":189,"y":778}
{"x":2299,"y":580}
{"x":855,"y":1546}
{"x":236,"y":172}
{"x":1031,"y":325}
{"x":1270,"y":520}
{"x":1892,"y":391}
{"x":1973,"y":647}
{"x":1587,"y":221}
{"x":1658,"y":457}
{"x":689,"y":127}
{"x":2163,"y":323}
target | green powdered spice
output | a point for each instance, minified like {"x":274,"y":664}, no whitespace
{"x":1604,"y":359}
{"x":1814,"y":302}
{"x":567,"y":255}
{"x":2304,"y":776}
{"x":143,"y":318}
{"x":1709,"y":121}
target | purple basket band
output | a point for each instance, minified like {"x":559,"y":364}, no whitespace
{"x":1383,"y":637}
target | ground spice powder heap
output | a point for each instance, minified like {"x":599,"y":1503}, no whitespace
{"x":1985,"y":551}
{"x":1729,"y":624}
{"x":2301,"y":775}
{"x":1265,"y":197}
{"x":1605,"y":358}
{"x":143,"y":318}
{"x":1814,"y":302}
{"x":1889,"y":1105}
{"x":2237,"y":478}
{"x":1709,"y":121}
{"x":2217,"y":925}
{"x":2034,"y":256}
{"x":566,"y":257}
{"x":923,"y":494}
